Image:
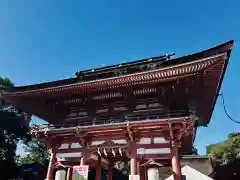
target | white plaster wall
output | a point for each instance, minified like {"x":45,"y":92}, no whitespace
{"x":153,"y":174}
{"x":60,"y":175}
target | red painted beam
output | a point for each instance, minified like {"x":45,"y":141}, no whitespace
{"x":154,"y":156}
{"x":116,"y":136}
{"x":92,"y":148}
{"x":141,"y":131}
{"x":134,"y":125}
{"x":72,"y":161}
{"x":154,"y":146}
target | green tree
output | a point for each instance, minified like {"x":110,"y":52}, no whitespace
{"x":12,"y":130}
{"x":226,"y":151}
{"x":37,"y":152}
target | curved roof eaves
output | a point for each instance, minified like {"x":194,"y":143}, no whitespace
{"x":225,"y":47}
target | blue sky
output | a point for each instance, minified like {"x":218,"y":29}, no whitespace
{"x":50,"y":40}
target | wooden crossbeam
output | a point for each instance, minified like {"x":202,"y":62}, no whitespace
{"x":92,"y":148}
{"x":163,"y":156}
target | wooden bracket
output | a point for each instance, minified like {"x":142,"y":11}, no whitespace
{"x":151,"y":162}
{"x":130,"y":133}
{"x":170,"y":131}
{"x":81,"y":136}
{"x":176,"y":143}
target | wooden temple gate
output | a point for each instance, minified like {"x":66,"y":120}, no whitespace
{"x":145,"y":142}
{"x":144,"y":112}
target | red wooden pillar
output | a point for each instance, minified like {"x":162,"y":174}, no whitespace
{"x":69,"y":173}
{"x":143,"y":173}
{"x":50,"y":165}
{"x":133,"y":166}
{"x":110,"y":171}
{"x":84,"y":153}
{"x":98,"y":169}
{"x":133,"y":162}
{"x":82,"y":161}
{"x":83,"y":157}
{"x":176,"y":166}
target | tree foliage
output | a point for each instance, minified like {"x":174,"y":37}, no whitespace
{"x":5,"y":83}
{"x":37,"y":152}
{"x":12,"y":131}
{"x":226,"y":151}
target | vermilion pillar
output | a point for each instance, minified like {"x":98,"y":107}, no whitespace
{"x":82,"y":161}
{"x":84,"y":153}
{"x":176,"y":166}
{"x":133,"y":162}
{"x":98,"y":169}
{"x":69,"y":173}
{"x":133,"y":166}
{"x":143,"y":173}
{"x":50,"y":165}
{"x":110,"y":171}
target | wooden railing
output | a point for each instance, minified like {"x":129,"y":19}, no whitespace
{"x":114,"y":120}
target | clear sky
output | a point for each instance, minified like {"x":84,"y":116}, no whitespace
{"x":51,"y":39}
